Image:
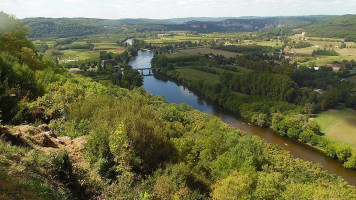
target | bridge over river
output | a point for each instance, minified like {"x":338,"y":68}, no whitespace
{"x":156,"y":69}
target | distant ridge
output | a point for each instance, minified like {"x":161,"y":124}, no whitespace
{"x":338,"y":26}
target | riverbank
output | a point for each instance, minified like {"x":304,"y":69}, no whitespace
{"x":344,"y":153}
{"x":338,"y":124}
{"x":178,"y":93}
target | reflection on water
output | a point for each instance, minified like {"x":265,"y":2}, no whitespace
{"x":174,"y":93}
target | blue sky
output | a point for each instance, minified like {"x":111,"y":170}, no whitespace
{"x":162,"y":9}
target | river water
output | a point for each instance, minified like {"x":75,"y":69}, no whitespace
{"x":175,"y":93}
{"x":129,"y":41}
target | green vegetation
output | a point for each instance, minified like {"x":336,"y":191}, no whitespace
{"x":273,"y":100}
{"x":276,"y":86}
{"x":339,"y":125}
{"x":336,"y":27}
{"x":147,"y":146}
{"x":197,"y":75}
{"x":249,"y":49}
{"x":25,"y":174}
{"x":138,"y":146}
{"x":324,"y":52}
{"x":69,"y":27}
{"x":302,"y":44}
{"x":195,"y":51}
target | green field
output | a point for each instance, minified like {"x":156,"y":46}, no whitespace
{"x":303,"y":56}
{"x":276,"y":43}
{"x":339,"y":125}
{"x":205,"y":50}
{"x":78,"y":54}
{"x":172,"y":39}
{"x":348,"y":53}
{"x":100,"y":42}
{"x":241,"y":70}
{"x":193,"y":74}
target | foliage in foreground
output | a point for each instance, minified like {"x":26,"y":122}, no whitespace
{"x":144,"y":146}
{"x":141,"y":146}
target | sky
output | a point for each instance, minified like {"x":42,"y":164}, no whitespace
{"x":164,"y":9}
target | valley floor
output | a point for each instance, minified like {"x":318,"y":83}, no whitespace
{"x":339,"y":125}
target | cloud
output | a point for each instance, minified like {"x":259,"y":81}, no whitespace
{"x":114,"y":9}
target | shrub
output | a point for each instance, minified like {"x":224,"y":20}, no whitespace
{"x":268,"y":186}
{"x":262,"y":120}
{"x":351,"y":162}
{"x":98,"y":152}
{"x":236,"y":185}
{"x":62,"y":168}
{"x":293,"y":132}
{"x":314,"y":140}
{"x":306,"y":135}
{"x":343,"y":153}
{"x":172,"y":113}
{"x":330,"y":151}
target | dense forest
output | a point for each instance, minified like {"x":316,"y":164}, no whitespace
{"x":136,"y":145}
{"x":276,"y":86}
{"x":74,"y":27}
{"x":337,"y":27}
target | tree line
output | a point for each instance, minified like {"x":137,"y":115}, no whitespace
{"x":273,"y":86}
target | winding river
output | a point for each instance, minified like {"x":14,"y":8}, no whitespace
{"x":179,"y":94}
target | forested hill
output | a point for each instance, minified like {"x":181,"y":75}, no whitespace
{"x":323,"y":26}
{"x":340,"y":27}
{"x":249,"y":24}
{"x":68,"y":27}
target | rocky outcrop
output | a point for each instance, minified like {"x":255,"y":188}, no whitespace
{"x":44,"y":127}
{"x":13,"y":138}
{"x":28,"y":136}
{"x":44,"y":140}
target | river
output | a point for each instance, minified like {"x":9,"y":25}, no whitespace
{"x":179,"y":94}
{"x":129,"y":41}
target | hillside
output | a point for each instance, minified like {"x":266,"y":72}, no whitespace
{"x":338,"y":27}
{"x":321,"y":26}
{"x":67,"y":27}
{"x":137,"y":146}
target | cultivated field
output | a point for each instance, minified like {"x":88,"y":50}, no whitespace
{"x":303,"y":56}
{"x":241,"y":70}
{"x":276,"y":43}
{"x":339,"y":125}
{"x":205,"y":50}
{"x":348,"y":53}
{"x":78,"y":54}
{"x":192,"y":74}
{"x":100,"y":43}
{"x":172,"y":39}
